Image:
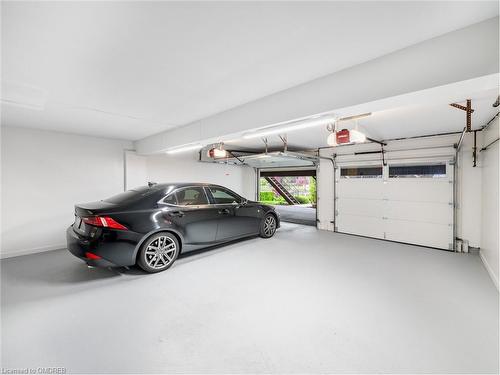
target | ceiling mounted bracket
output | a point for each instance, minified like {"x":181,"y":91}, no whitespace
{"x":332,"y":127}
{"x":265,"y":143}
{"x":284,"y":139}
{"x":474,"y":150}
{"x":236,"y":157}
{"x":381,"y":143}
{"x":469,"y":111}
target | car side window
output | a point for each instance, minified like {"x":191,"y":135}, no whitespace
{"x":223,"y":196}
{"x":191,"y":196}
{"x":170,"y":199}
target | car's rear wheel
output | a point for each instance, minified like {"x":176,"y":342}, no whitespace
{"x":158,"y":252}
{"x":268,"y":226}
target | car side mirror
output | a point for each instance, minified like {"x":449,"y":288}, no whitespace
{"x":244,"y":202}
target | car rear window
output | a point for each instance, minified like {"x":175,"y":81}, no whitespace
{"x":129,"y":195}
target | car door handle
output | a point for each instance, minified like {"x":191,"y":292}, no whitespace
{"x":224,"y":211}
{"x":176,"y":213}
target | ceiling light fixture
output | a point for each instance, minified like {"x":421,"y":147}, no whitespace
{"x":190,"y":147}
{"x":356,"y":117}
{"x":217,"y":152}
{"x":291,"y":126}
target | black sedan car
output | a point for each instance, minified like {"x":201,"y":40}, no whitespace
{"x":151,"y":225}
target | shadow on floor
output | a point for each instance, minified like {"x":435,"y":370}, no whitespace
{"x":56,"y":273}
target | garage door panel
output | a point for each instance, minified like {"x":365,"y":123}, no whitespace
{"x":409,"y":209}
{"x":364,"y":188}
{"x":367,"y":207}
{"x":438,"y":213}
{"x":419,"y":233}
{"x":356,"y":224}
{"x":418,"y":189}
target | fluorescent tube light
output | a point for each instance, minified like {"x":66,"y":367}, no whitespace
{"x":290,"y":127}
{"x":184,"y":148}
{"x":356,"y":117}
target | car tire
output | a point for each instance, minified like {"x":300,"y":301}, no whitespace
{"x":158,"y":252}
{"x":268,"y":226}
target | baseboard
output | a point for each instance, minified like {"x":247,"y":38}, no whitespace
{"x":35,"y":250}
{"x":488,"y":268}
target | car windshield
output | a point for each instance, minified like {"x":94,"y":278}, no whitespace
{"x":129,"y":195}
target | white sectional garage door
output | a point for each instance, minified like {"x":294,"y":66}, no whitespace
{"x":410,"y":203}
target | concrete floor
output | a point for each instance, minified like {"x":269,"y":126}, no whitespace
{"x":299,"y":214}
{"x":305,"y":301}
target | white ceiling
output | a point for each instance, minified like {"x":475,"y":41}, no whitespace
{"x":399,"y":122}
{"x":131,"y":69}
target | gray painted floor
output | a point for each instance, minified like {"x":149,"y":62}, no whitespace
{"x":300,"y":214}
{"x":305,"y":301}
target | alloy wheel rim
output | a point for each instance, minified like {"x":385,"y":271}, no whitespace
{"x":269,"y":226}
{"x":160,"y":252}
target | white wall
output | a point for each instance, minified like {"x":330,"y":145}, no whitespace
{"x":44,"y":174}
{"x":489,"y":161}
{"x":325,"y":191}
{"x":136,"y":170}
{"x":185,"y":167}
{"x":469,"y":192}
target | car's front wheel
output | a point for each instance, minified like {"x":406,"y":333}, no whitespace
{"x":158,"y":252}
{"x":268,"y":226}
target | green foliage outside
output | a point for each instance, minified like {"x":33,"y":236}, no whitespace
{"x":312,"y":190}
{"x":274,"y":203}
{"x":302,"y":199}
{"x":268,"y":197}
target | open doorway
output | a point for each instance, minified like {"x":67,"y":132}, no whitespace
{"x":291,"y":192}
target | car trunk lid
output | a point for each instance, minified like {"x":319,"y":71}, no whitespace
{"x":94,"y":208}
{"x":84,"y":210}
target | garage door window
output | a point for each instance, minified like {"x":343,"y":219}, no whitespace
{"x":361,"y":172}
{"x":418,"y":171}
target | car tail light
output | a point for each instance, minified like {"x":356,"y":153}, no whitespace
{"x":103,"y":221}
{"x":92,"y":256}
